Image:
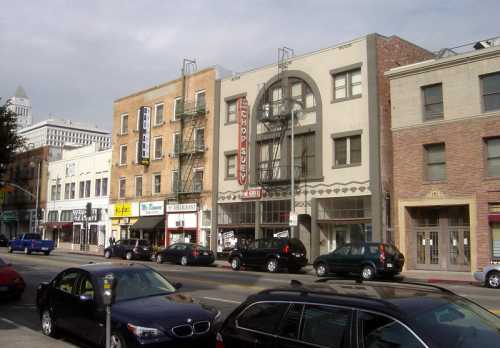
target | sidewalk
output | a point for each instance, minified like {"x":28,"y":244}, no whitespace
{"x":13,"y":335}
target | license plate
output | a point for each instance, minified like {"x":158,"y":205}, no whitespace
{"x":4,"y":288}
{"x":205,"y":253}
{"x":389,"y":265}
{"x":44,"y":248}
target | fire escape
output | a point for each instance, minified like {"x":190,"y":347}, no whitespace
{"x":190,"y":138}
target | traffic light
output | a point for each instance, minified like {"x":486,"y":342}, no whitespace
{"x":39,"y":214}
{"x":88,"y":212}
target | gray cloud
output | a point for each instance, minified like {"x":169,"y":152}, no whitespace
{"x":75,"y":57}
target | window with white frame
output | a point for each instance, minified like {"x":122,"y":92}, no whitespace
{"x":97,"y":187}
{"x":104,"y":188}
{"x":347,"y":150}
{"x":138,"y":186}
{"x":199,"y":138}
{"x":200,"y":101}
{"x":156,"y":183}
{"x":124,"y":124}
{"x":158,"y":144}
{"x":122,"y":187}
{"x":123,"y":155}
{"x":198,"y":180}
{"x":231,"y":166}
{"x":347,"y":84}
{"x":66,"y":191}
{"x":176,"y":143}
{"x":87,"y":188}
{"x":81,"y":191}
{"x":72,"y":190}
{"x":231,"y":115}
{"x":177,"y":108}
{"x":159,"y":114}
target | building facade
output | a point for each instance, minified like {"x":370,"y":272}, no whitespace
{"x":341,"y":147}
{"x":446,"y":143}
{"x":163,"y":160}
{"x":20,"y":104}
{"x":59,"y":132}
{"x":80,"y":177}
{"x":26,"y":176}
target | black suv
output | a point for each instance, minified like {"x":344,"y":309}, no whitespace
{"x":341,"y":314}
{"x":273,"y":254}
{"x":4,"y":241}
{"x":129,"y":249}
{"x":368,"y":259}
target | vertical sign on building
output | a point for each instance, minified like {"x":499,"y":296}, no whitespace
{"x":144,"y":135}
{"x":242,"y":141}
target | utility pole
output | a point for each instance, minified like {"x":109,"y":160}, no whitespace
{"x":293,"y":227}
{"x":37,"y":195}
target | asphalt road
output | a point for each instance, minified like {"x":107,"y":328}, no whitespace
{"x":220,"y":287}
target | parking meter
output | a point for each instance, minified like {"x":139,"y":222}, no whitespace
{"x":108,"y":298}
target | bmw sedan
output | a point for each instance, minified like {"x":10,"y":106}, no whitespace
{"x":148,"y":311}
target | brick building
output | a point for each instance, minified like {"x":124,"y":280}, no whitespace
{"x":446,"y":146}
{"x":342,"y":145}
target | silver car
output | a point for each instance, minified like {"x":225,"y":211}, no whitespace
{"x":490,"y":276}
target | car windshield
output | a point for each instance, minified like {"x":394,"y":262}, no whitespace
{"x":32,"y":236}
{"x":144,"y":242}
{"x":200,"y":247}
{"x":460,"y":324}
{"x":137,"y":283}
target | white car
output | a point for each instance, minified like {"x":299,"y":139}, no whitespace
{"x":490,"y":276}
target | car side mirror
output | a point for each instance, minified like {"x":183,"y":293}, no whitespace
{"x":177,"y":286}
{"x":86,"y":298}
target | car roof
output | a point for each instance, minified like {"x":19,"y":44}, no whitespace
{"x":102,"y":268}
{"x":397,"y":299}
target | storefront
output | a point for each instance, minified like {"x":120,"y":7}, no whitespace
{"x":89,"y":233}
{"x":236,"y":222}
{"x":8,"y":218}
{"x":151,"y":223}
{"x":182,"y":223}
{"x":124,"y":215}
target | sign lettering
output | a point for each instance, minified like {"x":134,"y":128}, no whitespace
{"x":242,"y":141}
{"x":144,"y":135}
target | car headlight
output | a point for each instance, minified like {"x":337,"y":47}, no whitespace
{"x":144,"y":332}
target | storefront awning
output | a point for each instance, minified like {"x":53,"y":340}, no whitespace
{"x":149,"y":223}
{"x":55,"y":225}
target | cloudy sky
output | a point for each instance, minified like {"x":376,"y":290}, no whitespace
{"x":75,"y":57}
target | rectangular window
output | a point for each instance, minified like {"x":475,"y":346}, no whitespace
{"x":97,"y":187}
{"x":269,"y":157}
{"x":104,"y":190}
{"x":347,"y":151}
{"x":58,"y":192}
{"x":304,"y":155}
{"x":200,"y":100}
{"x":123,"y":155}
{"x":199,"y":139}
{"x":81,"y":191}
{"x":231,"y":166}
{"x":158,"y":147}
{"x":53,"y":193}
{"x":177,"y":108}
{"x":72,"y":190}
{"x":493,"y":157}
{"x":138,"y":186}
{"x":435,"y":162}
{"x":124,"y":124}
{"x":231,"y":111}
{"x":66,"y":191}
{"x":122,"y":185}
{"x":156,"y":183}
{"x":198,"y":181}
{"x":177,"y":143}
{"x":87,"y":188}
{"x":491,"y":91}
{"x":347,"y":84}
{"x":158,"y":114}
{"x":175,"y":181}
{"x":433,"y":102}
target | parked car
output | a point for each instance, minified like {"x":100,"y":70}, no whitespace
{"x":274,"y":254}
{"x":148,"y":310}
{"x":11,"y":282}
{"x":348,"y":314}
{"x":367,"y":259}
{"x":489,"y":276}
{"x":4,"y":241}
{"x":130,"y":249}
{"x":186,"y":254}
{"x":30,"y":243}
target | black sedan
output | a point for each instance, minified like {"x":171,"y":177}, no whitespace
{"x":186,"y":254}
{"x":130,"y":249}
{"x":148,"y":311}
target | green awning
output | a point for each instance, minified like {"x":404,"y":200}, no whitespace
{"x":149,"y":223}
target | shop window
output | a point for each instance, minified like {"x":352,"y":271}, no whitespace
{"x":345,"y":208}
{"x":93,"y":237}
{"x":67,"y":215}
{"x":237,"y":214}
{"x":76,"y":234}
{"x":276,"y":212}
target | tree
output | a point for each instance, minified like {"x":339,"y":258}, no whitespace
{"x":10,"y":141}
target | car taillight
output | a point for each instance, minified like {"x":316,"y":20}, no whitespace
{"x":382,"y":253}
{"x":286,"y":249}
{"x":196,"y":252}
{"x":218,"y":341}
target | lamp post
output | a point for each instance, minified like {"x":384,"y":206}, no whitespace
{"x":37,"y":194}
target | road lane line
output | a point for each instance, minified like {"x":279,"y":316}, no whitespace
{"x":221,"y":300}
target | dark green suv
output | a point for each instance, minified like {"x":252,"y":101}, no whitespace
{"x":367,"y":259}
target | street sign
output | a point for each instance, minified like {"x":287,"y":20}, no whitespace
{"x":293,"y":219}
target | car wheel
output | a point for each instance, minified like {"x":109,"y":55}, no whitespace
{"x":27,"y":251}
{"x":10,"y":249}
{"x":129,"y":256}
{"x":117,"y":341}
{"x":107,"y":254}
{"x":48,"y":325}
{"x":184,"y":261}
{"x":235,"y":263}
{"x":368,"y":272}
{"x":272,"y":265}
{"x":493,"y":280}
{"x":159,"y":258}
{"x":321,"y":269}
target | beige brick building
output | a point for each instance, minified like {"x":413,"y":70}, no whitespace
{"x":446,"y":145}
{"x":161,"y":186}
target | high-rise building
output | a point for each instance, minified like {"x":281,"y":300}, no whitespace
{"x":20,"y":104}
{"x":59,"y":132}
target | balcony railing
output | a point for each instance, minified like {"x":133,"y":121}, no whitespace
{"x":184,"y":109}
{"x":278,"y":174}
{"x":469,"y":47}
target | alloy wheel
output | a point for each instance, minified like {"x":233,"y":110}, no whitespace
{"x":235,"y":264}
{"x":26,"y":251}
{"x":494,"y":280}
{"x":116,"y":341}
{"x":367,"y":273}
{"x":107,"y":254}
{"x":128,"y":256}
{"x":272,"y":265}
{"x":47,"y":325}
{"x":320,"y":270}
{"x":184,"y":261}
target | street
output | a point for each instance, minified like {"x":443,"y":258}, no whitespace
{"x":218,"y":286}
